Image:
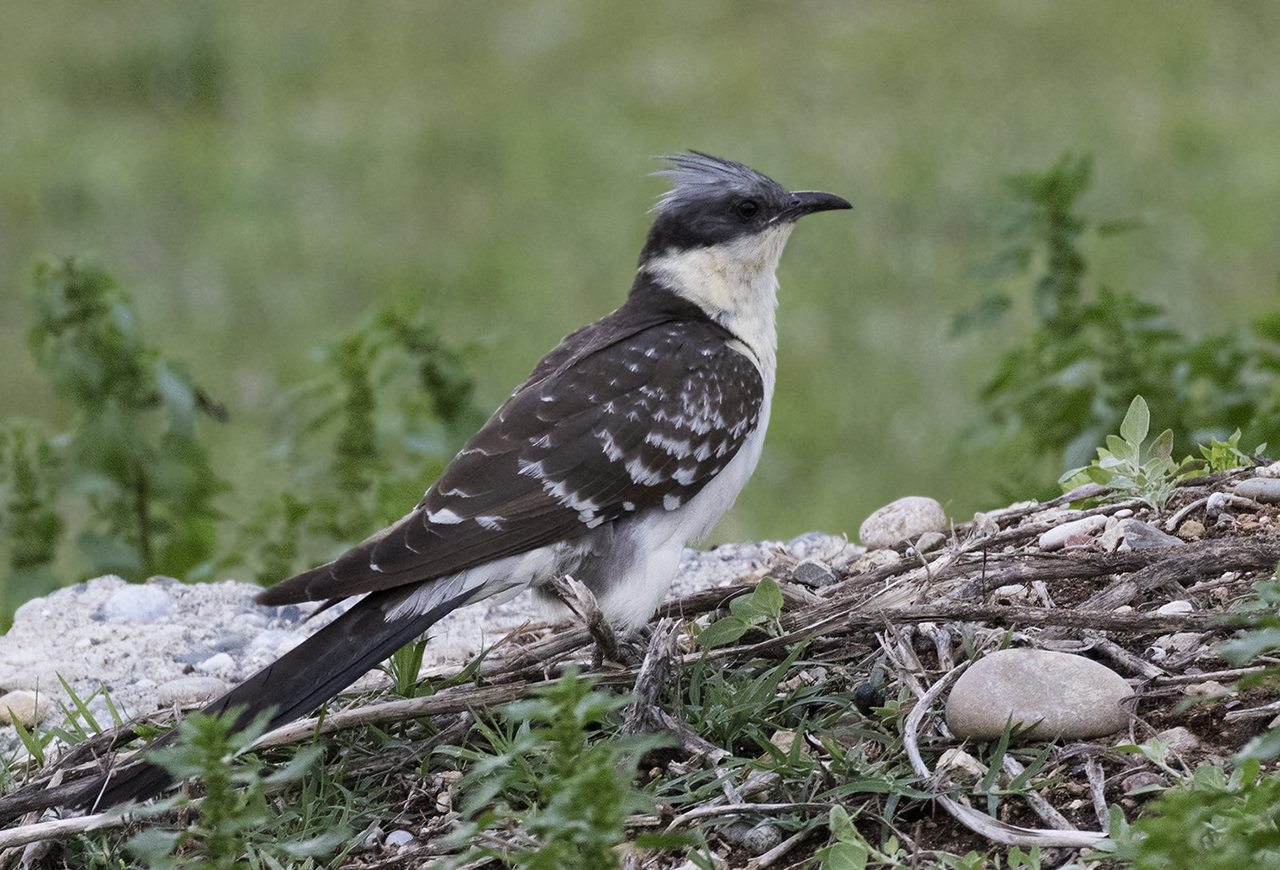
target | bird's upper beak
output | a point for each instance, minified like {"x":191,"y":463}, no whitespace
{"x":805,"y":202}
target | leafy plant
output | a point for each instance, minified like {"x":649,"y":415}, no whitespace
{"x":234,"y":808}
{"x":131,"y":461}
{"x":1088,"y":352}
{"x":1215,"y":821}
{"x":355,"y":459}
{"x":761,"y":609}
{"x":568,"y":795}
{"x":1126,"y":469}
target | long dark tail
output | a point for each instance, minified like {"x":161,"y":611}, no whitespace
{"x":298,"y":682}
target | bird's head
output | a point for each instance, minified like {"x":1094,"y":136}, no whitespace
{"x":714,"y":202}
{"x":717,"y":240}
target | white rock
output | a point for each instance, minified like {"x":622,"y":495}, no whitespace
{"x":1175,"y":608}
{"x":190,"y":691}
{"x":27,"y":707}
{"x":136,"y":604}
{"x":899,"y":520}
{"x":1054,"y":694}
{"x":399,"y":837}
{"x":218,"y":663}
{"x":1272,"y":470}
{"x":1076,"y":531}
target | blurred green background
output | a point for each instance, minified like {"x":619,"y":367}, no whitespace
{"x":260,"y":176}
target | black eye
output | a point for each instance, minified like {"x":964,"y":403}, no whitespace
{"x":748,"y":208}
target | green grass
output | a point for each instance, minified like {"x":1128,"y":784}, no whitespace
{"x":264,"y":177}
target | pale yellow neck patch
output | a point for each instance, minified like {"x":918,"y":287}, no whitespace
{"x":736,"y":284}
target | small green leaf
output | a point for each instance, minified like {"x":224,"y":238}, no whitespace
{"x":1162,"y":447}
{"x":1136,"y":421}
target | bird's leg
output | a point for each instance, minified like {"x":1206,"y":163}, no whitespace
{"x":579,"y":599}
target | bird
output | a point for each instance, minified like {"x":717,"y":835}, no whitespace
{"x":629,"y":440}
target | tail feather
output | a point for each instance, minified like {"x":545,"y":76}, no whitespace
{"x":298,"y":682}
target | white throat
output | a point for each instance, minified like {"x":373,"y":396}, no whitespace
{"x":736,"y":284}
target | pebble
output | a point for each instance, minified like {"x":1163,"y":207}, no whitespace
{"x":1055,"y":694}
{"x":1074,"y":533}
{"x":1178,"y":739}
{"x":1272,"y":470}
{"x":930,"y":541}
{"x":1207,"y":689}
{"x":1175,"y":608}
{"x":1191,"y":530}
{"x":908,"y":517}
{"x":1265,"y":489}
{"x":1142,"y":781}
{"x":399,"y":837}
{"x":814,"y":574}
{"x":961,"y":767}
{"x":1138,"y":535}
{"x":189,"y":691}
{"x":219,"y":663}
{"x":27,"y":707}
{"x":142,"y":604}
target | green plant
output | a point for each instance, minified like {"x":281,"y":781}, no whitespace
{"x":367,"y":435}
{"x":131,"y":461}
{"x":761,"y":609}
{"x":1215,"y":821}
{"x":567,"y":795}
{"x":234,"y":811}
{"x":1126,"y":469}
{"x":1088,"y":352}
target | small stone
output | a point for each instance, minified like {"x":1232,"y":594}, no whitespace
{"x":1052,"y":694}
{"x":398,"y":838}
{"x":26,"y":707}
{"x":899,"y":520}
{"x":143,"y":604}
{"x":1272,"y":470}
{"x":873,"y":560}
{"x":1207,"y":689}
{"x":1142,"y":781}
{"x":984,"y":526}
{"x":1143,"y":536}
{"x":220,"y":663}
{"x":961,"y":767}
{"x":1191,"y":530}
{"x":1178,"y":739}
{"x":1175,"y":608}
{"x":1264,"y":489}
{"x":813,"y":573}
{"x":1074,"y":533}
{"x":930,"y":541}
{"x":1014,"y":593}
{"x":190,"y":691}
{"x":1183,"y":641}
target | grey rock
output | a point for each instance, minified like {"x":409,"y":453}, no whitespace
{"x":1143,"y":781}
{"x":1054,"y":694}
{"x":1178,"y":739}
{"x":813,"y":573}
{"x":930,"y":541}
{"x":1138,"y":535}
{"x":1265,"y":489}
{"x":908,"y":517}
{"x":142,"y":604}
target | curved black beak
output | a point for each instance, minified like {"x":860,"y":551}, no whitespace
{"x":805,"y":202}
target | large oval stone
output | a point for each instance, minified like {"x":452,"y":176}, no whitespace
{"x":1053,"y":694}
{"x":908,"y":517}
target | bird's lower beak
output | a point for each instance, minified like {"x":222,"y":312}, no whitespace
{"x":805,"y":202}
